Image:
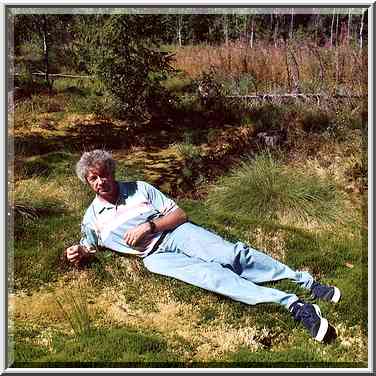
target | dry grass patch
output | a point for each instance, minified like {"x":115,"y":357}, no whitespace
{"x":353,"y":340}
{"x":49,"y":193}
{"x":332,"y":160}
{"x":178,"y":321}
{"x":271,"y":243}
{"x":41,"y":306}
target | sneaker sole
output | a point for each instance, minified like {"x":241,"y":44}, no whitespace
{"x":324,"y":325}
{"x":337,"y":295}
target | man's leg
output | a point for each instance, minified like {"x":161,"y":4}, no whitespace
{"x":170,"y":260}
{"x":214,"y":277}
{"x":247,"y":262}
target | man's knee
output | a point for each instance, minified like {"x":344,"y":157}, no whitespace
{"x":242,"y":257}
{"x":149,"y":263}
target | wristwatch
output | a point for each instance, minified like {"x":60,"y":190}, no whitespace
{"x":152,"y":226}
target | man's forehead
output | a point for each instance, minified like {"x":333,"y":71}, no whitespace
{"x":98,"y":168}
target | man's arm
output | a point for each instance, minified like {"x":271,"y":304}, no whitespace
{"x":167,"y":222}
{"x":170,"y":221}
{"x":78,"y":253}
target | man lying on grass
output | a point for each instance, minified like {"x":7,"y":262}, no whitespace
{"x":136,"y":218}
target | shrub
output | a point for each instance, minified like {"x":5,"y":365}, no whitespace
{"x":128,"y":62}
{"x":316,"y":121}
{"x":268,"y":116}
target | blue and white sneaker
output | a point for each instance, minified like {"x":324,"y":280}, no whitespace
{"x":310,"y":316}
{"x":329,"y":293}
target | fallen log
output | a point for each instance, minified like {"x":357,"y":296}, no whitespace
{"x":304,"y":96}
{"x":56,"y":75}
{"x":296,"y":96}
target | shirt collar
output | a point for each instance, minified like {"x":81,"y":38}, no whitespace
{"x":100,"y":204}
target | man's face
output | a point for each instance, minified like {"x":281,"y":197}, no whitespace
{"x":102,"y":182}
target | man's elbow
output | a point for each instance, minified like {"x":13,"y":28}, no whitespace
{"x":183,"y":216}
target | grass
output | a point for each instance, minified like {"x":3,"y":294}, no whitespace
{"x":263,"y":188}
{"x":188,"y":325}
{"x":188,"y":151}
{"x":264,"y":68}
{"x":75,"y":310}
{"x":114,"y":313}
{"x":111,"y":347}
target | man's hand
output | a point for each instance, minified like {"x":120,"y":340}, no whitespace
{"x":135,"y":235}
{"x":76,"y":253}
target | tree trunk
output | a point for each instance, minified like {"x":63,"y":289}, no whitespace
{"x":271,"y":22}
{"x":246,"y":21}
{"x":332,"y":29}
{"x":337,"y":29}
{"x":276,"y":31}
{"x":252,"y":30}
{"x":292,"y":23}
{"x":316,"y":27}
{"x":236,"y":25}
{"x":361,"y":31}
{"x":45,"y":47}
{"x":349,"y":27}
{"x":179,"y":28}
{"x":225,"y":28}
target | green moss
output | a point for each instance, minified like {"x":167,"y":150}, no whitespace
{"x":115,"y":347}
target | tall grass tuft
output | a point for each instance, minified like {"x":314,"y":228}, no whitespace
{"x":75,"y":309}
{"x":265,"y":190}
{"x":188,"y":151}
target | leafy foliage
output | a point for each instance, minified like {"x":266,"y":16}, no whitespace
{"x":127,"y":60}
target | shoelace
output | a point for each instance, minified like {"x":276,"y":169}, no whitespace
{"x":295,"y":308}
{"x":305,"y":313}
{"x":319,"y":290}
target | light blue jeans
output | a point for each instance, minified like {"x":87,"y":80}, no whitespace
{"x":201,"y":258}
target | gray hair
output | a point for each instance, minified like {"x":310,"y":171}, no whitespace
{"x":90,"y":159}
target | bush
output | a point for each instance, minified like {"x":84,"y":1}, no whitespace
{"x":268,"y":116}
{"x":316,"y":121}
{"x":128,"y":62}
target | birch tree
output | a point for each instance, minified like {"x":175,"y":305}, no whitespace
{"x":225,"y":28}
{"x":179,"y":28}
{"x":291,"y":23}
{"x":245,"y":30}
{"x":349,"y":26}
{"x":46,"y":46}
{"x":337,"y":21}
{"x":332,"y":28}
{"x":317,"y":18}
{"x":361,"y":30}
{"x":128,"y":61}
{"x":52,"y":35}
{"x":276,"y":25}
{"x":252,"y":29}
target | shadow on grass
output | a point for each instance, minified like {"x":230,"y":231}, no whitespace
{"x":111,"y":347}
{"x":76,"y":140}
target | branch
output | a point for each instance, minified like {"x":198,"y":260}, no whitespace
{"x":56,"y":75}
